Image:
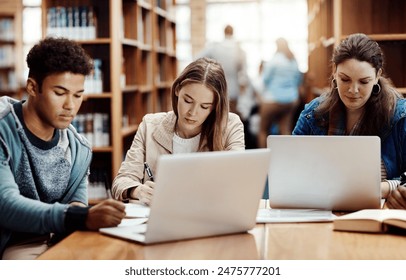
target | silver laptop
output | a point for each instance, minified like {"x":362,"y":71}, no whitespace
{"x":202,"y":194}
{"x":340,"y":173}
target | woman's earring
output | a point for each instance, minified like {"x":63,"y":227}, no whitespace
{"x":376,"y":89}
{"x":334,"y":83}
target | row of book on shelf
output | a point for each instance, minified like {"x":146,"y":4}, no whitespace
{"x":99,"y":186}
{"x":7,"y":29}
{"x":94,"y":127}
{"x":94,"y":81}
{"x":8,"y":81}
{"x":7,"y":56}
{"x":73,"y":22}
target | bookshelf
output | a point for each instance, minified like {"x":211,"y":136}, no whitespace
{"x":330,"y":21}
{"x":11,"y":64}
{"x":133,"y":43}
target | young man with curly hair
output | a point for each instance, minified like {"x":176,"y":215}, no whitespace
{"x":44,"y":162}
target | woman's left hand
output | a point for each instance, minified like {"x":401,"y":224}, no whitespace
{"x":397,"y":199}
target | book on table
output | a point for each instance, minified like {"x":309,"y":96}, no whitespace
{"x":371,"y":220}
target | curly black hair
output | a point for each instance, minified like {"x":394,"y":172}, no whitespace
{"x":57,"y":55}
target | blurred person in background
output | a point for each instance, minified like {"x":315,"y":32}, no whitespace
{"x":233,"y":60}
{"x":280,"y":95}
{"x":248,"y":106}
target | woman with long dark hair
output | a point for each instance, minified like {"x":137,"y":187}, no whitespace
{"x":362,"y":101}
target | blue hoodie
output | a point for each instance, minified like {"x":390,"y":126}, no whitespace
{"x":22,"y":214}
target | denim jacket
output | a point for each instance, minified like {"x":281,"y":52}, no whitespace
{"x":393,"y":137}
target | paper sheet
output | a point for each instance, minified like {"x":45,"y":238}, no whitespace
{"x":134,"y":210}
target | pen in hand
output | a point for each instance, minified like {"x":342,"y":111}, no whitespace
{"x":149,"y":171}
{"x":403,"y":179}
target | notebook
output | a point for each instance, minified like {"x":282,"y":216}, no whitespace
{"x":339,"y":173}
{"x":200,"y":195}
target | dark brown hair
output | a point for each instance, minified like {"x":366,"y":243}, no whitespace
{"x":381,"y":105}
{"x":57,"y":55}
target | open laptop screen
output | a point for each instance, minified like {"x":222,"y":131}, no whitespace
{"x":324,"y":172}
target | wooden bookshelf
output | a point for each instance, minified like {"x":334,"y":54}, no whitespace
{"x":11,"y":64}
{"x":330,"y":21}
{"x":134,"y":40}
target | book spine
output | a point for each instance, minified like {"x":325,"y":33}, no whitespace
{"x":98,"y":187}
{"x":73,"y":22}
{"x":89,"y":128}
{"x":105,"y":129}
{"x":98,"y":130}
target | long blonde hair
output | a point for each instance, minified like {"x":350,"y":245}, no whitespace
{"x":209,"y":73}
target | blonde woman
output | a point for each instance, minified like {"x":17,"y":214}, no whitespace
{"x":200,"y":122}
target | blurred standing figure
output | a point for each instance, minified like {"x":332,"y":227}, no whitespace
{"x":233,"y":60}
{"x":248,"y":106}
{"x":281,"y":81}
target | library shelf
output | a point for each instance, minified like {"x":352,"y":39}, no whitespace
{"x":330,"y":21}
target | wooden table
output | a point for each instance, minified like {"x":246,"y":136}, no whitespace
{"x":94,"y":245}
{"x":318,"y":241}
{"x":290,"y":241}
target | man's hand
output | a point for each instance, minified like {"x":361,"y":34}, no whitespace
{"x":107,"y":213}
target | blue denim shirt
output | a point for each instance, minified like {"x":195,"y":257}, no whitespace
{"x":393,"y":138}
{"x":282,"y":79}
